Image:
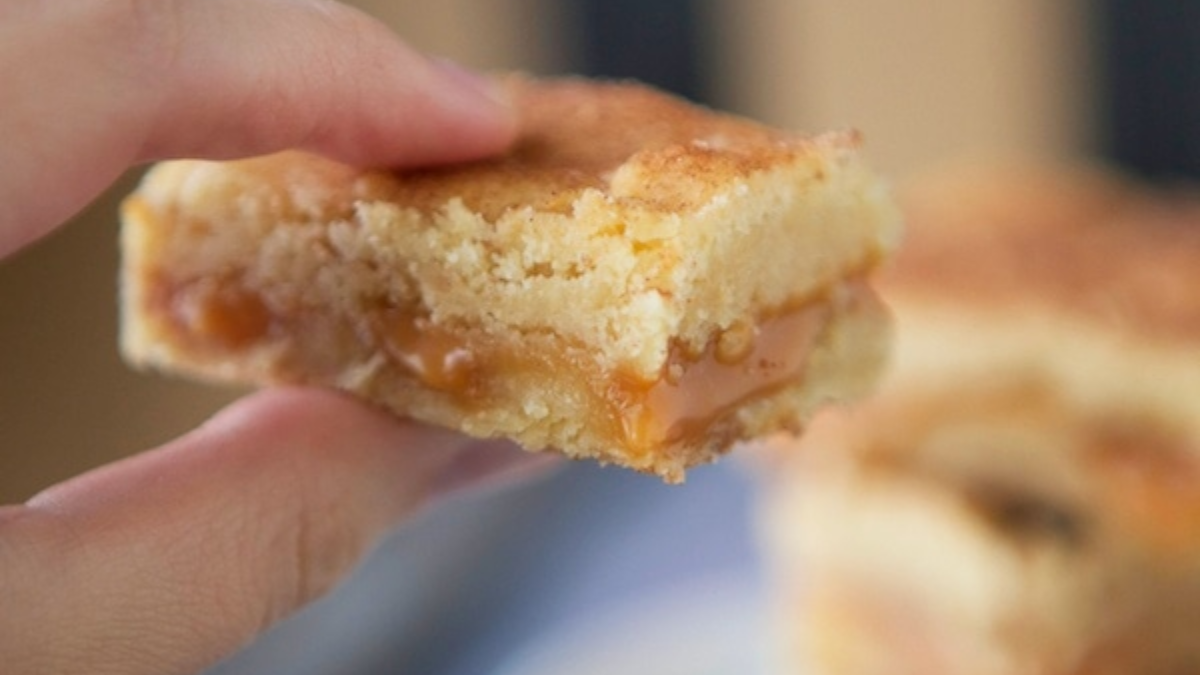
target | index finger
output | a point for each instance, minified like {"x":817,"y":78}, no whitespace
{"x":93,"y":86}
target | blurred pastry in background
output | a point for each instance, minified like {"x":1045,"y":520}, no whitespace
{"x":1023,"y":494}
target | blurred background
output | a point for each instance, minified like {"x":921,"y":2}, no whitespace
{"x":927,"y":83}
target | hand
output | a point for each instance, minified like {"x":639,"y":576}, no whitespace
{"x":172,"y":559}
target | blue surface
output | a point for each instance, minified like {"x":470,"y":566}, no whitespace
{"x":477,"y":580}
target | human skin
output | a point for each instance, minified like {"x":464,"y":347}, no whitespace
{"x":176,"y":557}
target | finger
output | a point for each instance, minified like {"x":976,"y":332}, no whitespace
{"x":277,"y":73}
{"x":165,"y":562}
{"x":92,"y":86}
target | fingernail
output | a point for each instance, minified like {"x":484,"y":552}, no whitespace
{"x":469,"y":80}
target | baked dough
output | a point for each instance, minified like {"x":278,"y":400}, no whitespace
{"x":1023,"y":493}
{"x":640,"y":281}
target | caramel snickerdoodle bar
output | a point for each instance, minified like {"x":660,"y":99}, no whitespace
{"x":640,"y":281}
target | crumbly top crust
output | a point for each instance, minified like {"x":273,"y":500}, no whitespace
{"x":1083,"y":243}
{"x":622,"y":139}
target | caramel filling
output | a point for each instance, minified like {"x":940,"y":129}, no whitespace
{"x":218,"y":313}
{"x":437,"y":358}
{"x":741,"y":364}
{"x":1151,"y":472}
{"x":694,"y":392}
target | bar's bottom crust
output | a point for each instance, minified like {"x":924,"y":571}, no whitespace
{"x":531,"y":387}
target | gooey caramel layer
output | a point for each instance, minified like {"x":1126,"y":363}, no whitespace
{"x":694,"y":391}
{"x":739,"y":365}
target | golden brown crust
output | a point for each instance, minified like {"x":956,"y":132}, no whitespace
{"x":1078,"y":241}
{"x":622,"y":139}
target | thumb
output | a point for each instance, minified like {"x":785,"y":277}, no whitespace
{"x":170,"y":560}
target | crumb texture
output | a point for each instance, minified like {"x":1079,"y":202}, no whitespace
{"x":531,"y":295}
